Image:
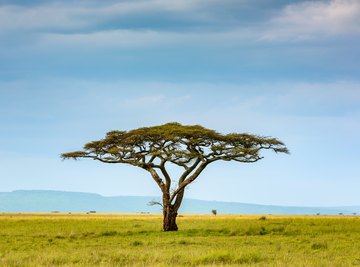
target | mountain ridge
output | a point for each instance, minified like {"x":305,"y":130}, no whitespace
{"x":64,"y":201}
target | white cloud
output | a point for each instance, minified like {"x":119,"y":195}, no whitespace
{"x":117,"y":38}
{"x":81,"y":15}
{"x":62,"y":25}
{"x":41,"y":17}
{"x":80,"y":23}
{"x":143,"y":38}
{"x":313,"y":19}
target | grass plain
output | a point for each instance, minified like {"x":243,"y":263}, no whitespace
{"x":202,"y":240}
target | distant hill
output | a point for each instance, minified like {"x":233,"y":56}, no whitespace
{"x":47,"y":201}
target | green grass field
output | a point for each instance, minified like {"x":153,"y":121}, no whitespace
{"x":137,"y":240}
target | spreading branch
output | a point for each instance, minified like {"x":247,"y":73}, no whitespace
{"x":192,"y":148}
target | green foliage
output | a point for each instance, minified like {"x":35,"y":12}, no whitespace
{"x":176,"y":143}
{"x":191,"y":147}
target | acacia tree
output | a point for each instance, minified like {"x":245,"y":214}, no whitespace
{"x":191,"y":148}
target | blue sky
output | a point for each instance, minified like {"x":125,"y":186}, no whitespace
{"x":72,"y":70}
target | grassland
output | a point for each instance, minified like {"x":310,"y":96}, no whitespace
{"x":137,"y":240}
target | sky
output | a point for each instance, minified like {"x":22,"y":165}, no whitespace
{"x":70,"y":71}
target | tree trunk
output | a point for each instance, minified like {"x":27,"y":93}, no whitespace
{"x":169,"y":219}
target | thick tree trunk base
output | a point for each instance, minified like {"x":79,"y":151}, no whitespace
{"x":170,"y":222}
{"x":170,"y":229}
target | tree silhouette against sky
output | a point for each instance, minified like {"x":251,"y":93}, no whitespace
{"x":191,"y":148}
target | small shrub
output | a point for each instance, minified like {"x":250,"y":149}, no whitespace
{"x":263,"y":231}
{"x":108,"y":233}
{"x":136,"y":243}
{"x":319,"y":246}
{"x":262,"y":218}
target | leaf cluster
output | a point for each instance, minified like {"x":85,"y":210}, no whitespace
{"x":176,"y":143}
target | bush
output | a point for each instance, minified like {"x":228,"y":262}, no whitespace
{"x":319,"y":246}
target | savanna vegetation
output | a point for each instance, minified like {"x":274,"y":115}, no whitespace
{"x":207,"y":240}
{"x":190,"y":147}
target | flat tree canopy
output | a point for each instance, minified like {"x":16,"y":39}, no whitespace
{"x":191,"y":148}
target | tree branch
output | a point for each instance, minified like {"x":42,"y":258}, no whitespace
{"x":153,"y":203}
{"x":188,"y":180}
{"x":191,"y":147}
{"x":189,"y":170}
{"x":156,"y":178}
{"x":166,"y":175}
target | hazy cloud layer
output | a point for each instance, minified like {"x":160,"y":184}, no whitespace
{"x":315,"y":19}
{"x":169,"y":21}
